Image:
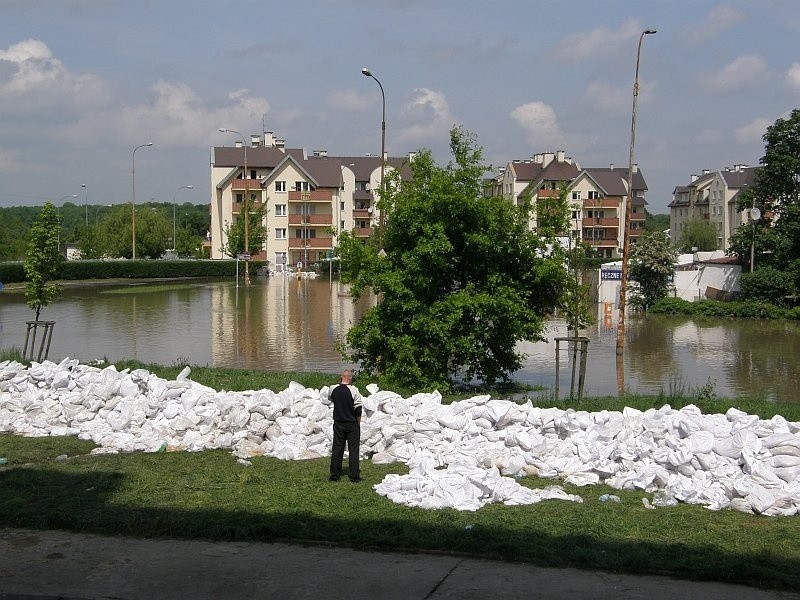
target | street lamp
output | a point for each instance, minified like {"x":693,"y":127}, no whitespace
{"x":368,"y":73}
{"x":246,"y":207}
{"x":175,"y":239}
{"x":623,"y":285}
{"x":133,"y":198}
{"x":85,"y":204}
{"x":58,"y":216}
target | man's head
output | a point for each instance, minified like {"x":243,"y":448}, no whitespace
{"x":347,"y":376}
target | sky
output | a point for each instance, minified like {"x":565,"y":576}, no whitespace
{"x":84,"y":82}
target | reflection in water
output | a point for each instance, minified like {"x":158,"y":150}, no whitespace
{"x":289,"y":324}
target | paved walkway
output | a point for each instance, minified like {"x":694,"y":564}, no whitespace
{"x":45,"y":565}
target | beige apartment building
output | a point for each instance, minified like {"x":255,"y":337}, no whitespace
{"x":597,"y":196}
{"x":308,"y":199}
{"x":711,"y":196}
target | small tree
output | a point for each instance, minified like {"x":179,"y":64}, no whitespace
{"x":700,"y":234}
{"x":766,"y":284}
{"x":652,"y":263}
{"x":234,"y":232}
{"x":42,"y":260}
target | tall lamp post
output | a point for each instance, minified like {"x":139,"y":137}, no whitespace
{"x":133,"y":198}
{"x":174,"y":230}
{"x":85,"y":204}
{"x":623,"y":284}
{"x":368,"y":73}
{"x":58,"y":216}
{"x":246,"y":208}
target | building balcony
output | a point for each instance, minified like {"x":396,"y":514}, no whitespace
{"x":296,"y":243}
{"x":547,"y":193}
{"x":593,"y":203}
{"x":310,"y":220}
{"x":362,"y":232}
{"x":589,"y":222}
{"x":361,"y":214}
{"x":246,"y":184}
{"x":362,"y":195}
{"x":313,"y":196}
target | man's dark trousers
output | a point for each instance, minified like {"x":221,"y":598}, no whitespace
{"x":349,"y":432}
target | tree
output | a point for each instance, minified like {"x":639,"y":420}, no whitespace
{"x":42,"y":260}
{"x":767,"y":285}
{"x":700,"y":234}
{"x":652,"y":263}
{"x":234,"y":232}
{"x":458,"y":277}
{"x":656,"y":222}
{"x":776,"y":192}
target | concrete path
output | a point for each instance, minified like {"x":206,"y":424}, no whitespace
{"x":45,"y":565}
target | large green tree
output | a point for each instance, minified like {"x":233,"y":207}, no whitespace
{"x":458,"y":277}
{"x":700,"y":234}
{"x":42,"y":260}
{"x":775,"y":237}
{"x":652,"y":263}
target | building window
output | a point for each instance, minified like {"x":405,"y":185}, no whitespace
{"x":300,"y":186}
{"x":576,"y":194}
{"x":280,"y":210}
{"x":341,"y":205}
{"x":594,"y":195}
{"x":253,"y":174}
{"x":239,"y":198}
{"x":280,"y":233}
{"x":310,"y":233}
{"x":280,"y":186}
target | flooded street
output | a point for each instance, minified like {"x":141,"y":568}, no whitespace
{"x":289,"y":324}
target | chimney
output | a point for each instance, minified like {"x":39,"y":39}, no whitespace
{"x":611,"y":166}
{"x":547,"y":158}
{"x":255,"y":140}
{"x":560,"y":156}
{"x":694,"y":177}
{"x":635,"y":168}
{"x":280,"y":144}
{"x":537,"y":158}
{"x":706,"y":171}
{"x":269,"y":139}
{"x":413,"y":155}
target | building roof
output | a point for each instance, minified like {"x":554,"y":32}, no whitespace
{"x":614,"y":181}
{"x":738,"y":178}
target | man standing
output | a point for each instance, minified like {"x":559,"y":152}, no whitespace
{"x":346,"y":401}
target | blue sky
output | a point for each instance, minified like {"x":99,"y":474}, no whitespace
{"x":82,"y":82}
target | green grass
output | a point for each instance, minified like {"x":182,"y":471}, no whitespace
{"x":209,"y":495}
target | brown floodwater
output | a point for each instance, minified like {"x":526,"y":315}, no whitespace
{"x":289,"y":324}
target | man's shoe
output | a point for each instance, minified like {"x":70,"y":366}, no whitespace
{"x":355,"y":479}
{"x":333,"y":478}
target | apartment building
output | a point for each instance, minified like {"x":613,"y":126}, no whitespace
{"x":307,"y":199}
{"x":711,"y":196}
{"x":597,"y":196}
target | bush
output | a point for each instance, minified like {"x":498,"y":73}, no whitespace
{"x":767,"y":285}
{"x":672,"y":306}
{"x":134,"y":269}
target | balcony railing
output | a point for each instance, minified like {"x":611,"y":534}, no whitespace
{"x":311,"y":220}
{"x":362,"y":231}
{"x":296,"y":243}
{"x":313,"y":196}
{"x":361,"y":214}
{"x":252,"y":184}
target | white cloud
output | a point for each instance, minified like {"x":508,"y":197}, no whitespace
{"x":174,"y":116}
{"x":719,"y":20}
{"x":745,"y":71}
{"x":793,"y":76}
{"x":601,"y":41}
{"x":539,"y":120}
{"x":41,"y":79}
{"x":753,"y":131}
{"x":430,"y":107}
{"x":349,"y":100}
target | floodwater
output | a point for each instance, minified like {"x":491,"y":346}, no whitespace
{"x":289,"y":324}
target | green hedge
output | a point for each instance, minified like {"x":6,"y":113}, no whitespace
{"x":713,"y":308}
{"x":133,"y":269}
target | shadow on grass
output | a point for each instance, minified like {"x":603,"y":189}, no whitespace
{"x":46,"y":498}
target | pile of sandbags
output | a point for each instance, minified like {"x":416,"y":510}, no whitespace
{"x":460,"y":455}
